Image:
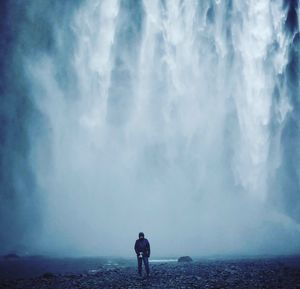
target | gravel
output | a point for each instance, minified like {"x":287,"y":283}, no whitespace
{"x":209,"y":274}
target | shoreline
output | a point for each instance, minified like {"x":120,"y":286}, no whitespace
{"x":280,"y":272}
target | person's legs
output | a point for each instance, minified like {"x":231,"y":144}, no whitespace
{"x":146,"y":263}
{"x":139,"y":265}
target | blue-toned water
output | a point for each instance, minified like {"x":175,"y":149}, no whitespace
{"x":177,"y":118}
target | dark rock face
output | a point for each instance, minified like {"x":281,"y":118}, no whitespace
{"x":208,"y":274}
{"x":11,"y":256}
{"x":185,"y":259}
{"x":48,"y":275}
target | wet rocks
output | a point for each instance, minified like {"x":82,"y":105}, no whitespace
{"x":48,"y":275}
{"x":11,"y":256}
{"x":185,"y":259}
{"x":207,"y":274}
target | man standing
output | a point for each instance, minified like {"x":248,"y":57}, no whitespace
{"x":142,"y":250}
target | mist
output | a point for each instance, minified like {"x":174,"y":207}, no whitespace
{"x":176,"y":118}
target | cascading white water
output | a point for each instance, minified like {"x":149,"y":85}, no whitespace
{"x":160,"y":120}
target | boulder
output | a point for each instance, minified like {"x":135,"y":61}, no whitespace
{"x":48,"y":275}
{"x":11,"y":256}
{"x":185,"y":259}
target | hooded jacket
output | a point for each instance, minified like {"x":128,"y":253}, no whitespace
{"x":142,"y":245}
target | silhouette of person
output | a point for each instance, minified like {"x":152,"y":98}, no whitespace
{"x":142,"y":250}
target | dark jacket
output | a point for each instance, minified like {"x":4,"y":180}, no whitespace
{"x":142,"y":245}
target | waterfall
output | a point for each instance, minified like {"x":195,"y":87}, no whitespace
{"x":178,"y":118}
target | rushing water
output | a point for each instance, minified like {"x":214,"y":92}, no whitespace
{"x":180,"y":118}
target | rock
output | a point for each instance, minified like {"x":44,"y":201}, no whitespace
{"x":48,"y":275}
{"x":196,"y":274}
{"x":185,"y":259}
{"x":11,"y":256}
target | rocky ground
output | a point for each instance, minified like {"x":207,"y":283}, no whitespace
{"x":243,"y":273}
